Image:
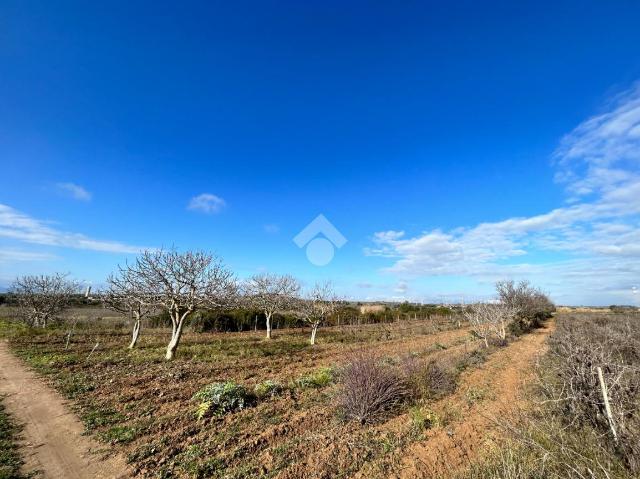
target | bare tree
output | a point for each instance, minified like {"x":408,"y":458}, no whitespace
{"x":42,"y":298}
{"x":489,"y":319}
{"x":271,"y":294}
{"x":479,"y":316}
{"x":128,"y":295}
{"x":182,"y":283}
{"x":530,"y":302}
{"x":320,"y":303}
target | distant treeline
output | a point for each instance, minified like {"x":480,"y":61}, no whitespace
{"x":623,"y":308}
{"x":244,"y":319}
{"x":76,"y":301}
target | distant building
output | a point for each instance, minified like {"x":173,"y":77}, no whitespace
{"x":372,"y":308}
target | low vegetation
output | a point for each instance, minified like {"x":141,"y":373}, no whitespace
{"x":220,"y":398}
{"x":570,"y":434}
{"x":371,"y":389}
{"x":10,"y":460}
{"x":242,"y":405}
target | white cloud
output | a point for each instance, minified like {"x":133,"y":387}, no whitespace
{"x":21,"y":227}
{"x":603,"y":153}
{"x":16,"y":255}
{"x":206,"y":203}
{"x":599,"y":231}
{"x":74,"y":191}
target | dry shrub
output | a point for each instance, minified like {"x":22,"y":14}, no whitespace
{"x":371,"y":389}
{"x":440,"y":378}
{"x":433,"y":379}
{"x":579,"y":346}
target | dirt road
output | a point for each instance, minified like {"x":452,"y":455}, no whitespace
{"x":487,"y":393}
{"x":53,"y":441}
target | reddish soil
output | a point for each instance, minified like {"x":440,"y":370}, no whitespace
{"x":492,"y":391}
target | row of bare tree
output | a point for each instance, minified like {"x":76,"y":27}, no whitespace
{"x":179,"y":284}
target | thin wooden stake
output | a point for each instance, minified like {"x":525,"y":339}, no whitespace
{"x":94,"y":348}
{"x":607,"y":406}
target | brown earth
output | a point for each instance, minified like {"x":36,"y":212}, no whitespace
{"x":291,"y":436}
{"x":52,"y":436}
{"x":493,"y":391}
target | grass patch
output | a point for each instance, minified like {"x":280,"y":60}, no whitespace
{"x":317,"y":379}
{"x":10,"y":460}
{"x":95,"y":417}
{"x":118,"y":434}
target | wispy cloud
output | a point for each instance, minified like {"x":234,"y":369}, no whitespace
{"x":12,"y":255}
{"x":206,"y":203}
{"x":21,"y":227}
{"x":603,"y":153}
{"x":598,"y":232}
{"x":74,"y":191}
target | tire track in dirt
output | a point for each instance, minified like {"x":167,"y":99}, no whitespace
{"x":491,"y":391}
{"x":53,"y":441}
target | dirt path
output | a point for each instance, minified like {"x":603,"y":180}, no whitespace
{"x":489,"y":392}
{"x":53,"y":440}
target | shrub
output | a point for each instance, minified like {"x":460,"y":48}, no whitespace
{"x":440,"y":379}
{"x":371,"y":389}
{"x":434,"y":379}
{"x":532,"y":304}
{"x":267,"y":388}
{"x":577,"y":348}
{"x":220,"y":398}
{"x":317,"y":379}
{"x":160,"y":320}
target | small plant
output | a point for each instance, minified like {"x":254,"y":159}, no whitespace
{"x":317,"y":379}
{"x":118,"y":434}
{"x":370,"y":389}
{"x":267,"y":388}
{"x":474,"y":395}
{"x":220,"y":398}
{"x":422,"y":419}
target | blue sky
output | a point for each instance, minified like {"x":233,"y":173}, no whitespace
{"x":451,"y":144}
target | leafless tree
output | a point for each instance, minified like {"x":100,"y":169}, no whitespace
{"x":128,"y":295}
{"x":182,"y":283}
{"x":320,"y":303}
{"x":271,"y":294}
{"x":42,"y":298}
{"x":530,"y":302}
{"x":490,"y":319}
{"x":479,"y":316}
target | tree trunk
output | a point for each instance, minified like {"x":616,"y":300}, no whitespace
{"x":314,"y":330}
{"x":136,"y":334}
{"x":268,"y":316}
{"x":175,"y":340}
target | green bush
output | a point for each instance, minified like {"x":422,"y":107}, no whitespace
{"x":267,"y":388}
{"x":220,"y":398}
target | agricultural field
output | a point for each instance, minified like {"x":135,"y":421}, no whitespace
{"x":177,"y":370}
{"x":285,"y":415}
